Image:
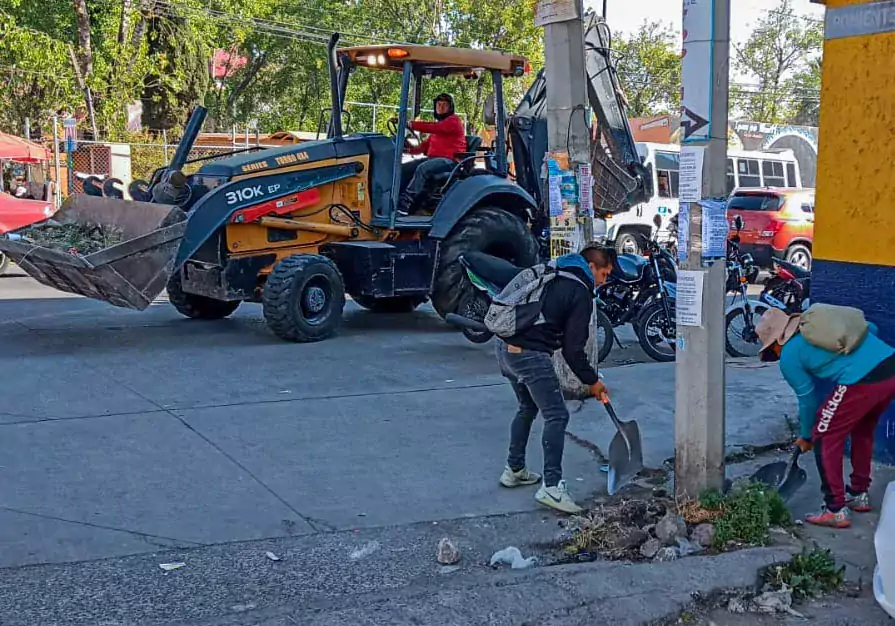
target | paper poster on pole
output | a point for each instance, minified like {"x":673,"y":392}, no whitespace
{"x":689,"y":297}
{"x":683,"y":231}
{"x":714,"y":229}
{"x":691,"y":162}
{"x":554,"y":11}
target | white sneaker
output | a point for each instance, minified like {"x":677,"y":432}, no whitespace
{"x":557,"y":498}
{"x":509,"y":478}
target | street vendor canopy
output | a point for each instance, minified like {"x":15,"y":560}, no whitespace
{"x":21,"y":150}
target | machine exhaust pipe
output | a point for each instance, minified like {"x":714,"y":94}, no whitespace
{"x":335,"y":120}
{"x":190,"y":134}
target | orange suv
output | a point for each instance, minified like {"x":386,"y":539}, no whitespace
{"x":778,"y":224}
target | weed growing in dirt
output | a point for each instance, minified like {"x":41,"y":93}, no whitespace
{"x":809,"y":574}
{"x":744,"y":514}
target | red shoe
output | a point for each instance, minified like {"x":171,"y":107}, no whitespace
{"x":859,"y":503}
{"x":839,"y":519}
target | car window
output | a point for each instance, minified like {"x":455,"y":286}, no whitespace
{"x":731,"y":179}
{"x":791,"y":175}
{"x":755,"y":202}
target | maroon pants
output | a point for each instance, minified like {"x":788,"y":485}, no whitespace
{"x":849,"y":411}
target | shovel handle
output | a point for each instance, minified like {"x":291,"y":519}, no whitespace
{"x":793,"y":464}
{"x":609,"y":409}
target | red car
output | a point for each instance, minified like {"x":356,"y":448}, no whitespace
{"x":778,"y":224}
{"x":16,"y":213}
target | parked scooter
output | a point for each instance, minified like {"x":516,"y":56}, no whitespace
{"x":641,"y":291}
{"x":788,"y":288}
{"x":489,"y":275}
{"x":742,"y":315}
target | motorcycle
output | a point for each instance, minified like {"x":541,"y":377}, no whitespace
{"x":640,"y":291}
{"x":741,"y":317}
{"x":788,"y":288}
{"x":489,"y":275}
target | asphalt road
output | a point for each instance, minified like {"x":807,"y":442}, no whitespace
{"x":131,"y":439}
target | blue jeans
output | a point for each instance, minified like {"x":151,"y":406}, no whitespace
{"x":537,"y":389}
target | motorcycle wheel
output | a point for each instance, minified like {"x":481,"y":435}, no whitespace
{"x":605,"y":343}
{"x":475,"y":307}
{"x":735,"y":328}
{"x":656,"y":333}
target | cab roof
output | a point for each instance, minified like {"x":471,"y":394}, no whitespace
{"x":437,"y":60}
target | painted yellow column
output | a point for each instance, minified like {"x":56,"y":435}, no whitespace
{"x":854,"y":234}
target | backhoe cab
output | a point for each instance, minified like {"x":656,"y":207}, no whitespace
{"x":298,"y":227}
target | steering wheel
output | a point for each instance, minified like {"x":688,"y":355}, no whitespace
{"x":392,"y":127}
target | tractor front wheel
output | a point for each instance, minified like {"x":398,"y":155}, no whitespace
{"x":197,"y":307}
{"x":303,"y":298}
{"x":486,"y":229}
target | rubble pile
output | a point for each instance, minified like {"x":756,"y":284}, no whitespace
{"x":73,"y":238}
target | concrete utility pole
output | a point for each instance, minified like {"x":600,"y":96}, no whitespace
{"x":568,"y":123}
{"x":700,"y":376}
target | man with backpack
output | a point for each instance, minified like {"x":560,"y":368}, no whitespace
{"x":837,"y":345}
{"x":546,"y":309}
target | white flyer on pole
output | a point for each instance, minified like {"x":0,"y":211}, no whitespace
{"x":690,"y":186}
{"x":714,"y":229}
{"x":683,"y":231}
{"x":689,"y":297}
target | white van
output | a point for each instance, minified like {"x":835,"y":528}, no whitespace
{"x":745,"y":169}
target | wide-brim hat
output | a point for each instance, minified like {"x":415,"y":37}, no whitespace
{"x":776,"y":326}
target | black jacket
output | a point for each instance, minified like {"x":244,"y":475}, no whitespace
{"x":568,"y":307}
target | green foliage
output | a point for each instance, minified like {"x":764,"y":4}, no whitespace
{"x":748,"y":511}
{"x":160,"y":53}
{"x":782,"y":56}
{"x":649,"y":67}
{"x":809,"y":574}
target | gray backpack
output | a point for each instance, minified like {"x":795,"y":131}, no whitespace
{"x":518,"y":306}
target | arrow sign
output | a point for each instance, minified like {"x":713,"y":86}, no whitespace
{"x":694,"y":123}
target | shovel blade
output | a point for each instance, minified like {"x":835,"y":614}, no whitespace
{"x":771,"y":474}
{"x":796,"y":479}
{"x":625,"y":456}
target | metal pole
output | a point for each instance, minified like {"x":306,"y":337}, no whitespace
{"x":165,"y":145}
{"x":374,"y":116}
{"x":568,"y":131}
{"x":57,"y":191}
{"x":605,"y":2}
{"x":28,"y":128}
{"x":700,"y":375}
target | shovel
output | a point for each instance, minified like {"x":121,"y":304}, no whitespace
{"x":625,"y":451}
{"x":786,"y":478}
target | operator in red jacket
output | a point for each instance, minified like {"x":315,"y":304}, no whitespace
{"x":447,"y":137}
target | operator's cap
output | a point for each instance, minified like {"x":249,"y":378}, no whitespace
{"x":776,"y":326}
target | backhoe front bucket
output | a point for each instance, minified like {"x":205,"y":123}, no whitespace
{"x":129,"y":274}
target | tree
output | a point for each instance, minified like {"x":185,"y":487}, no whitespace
{"x":778,"y":56}
{"x":649,"y":68}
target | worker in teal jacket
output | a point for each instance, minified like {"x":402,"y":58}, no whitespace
{"x":864,"y":383}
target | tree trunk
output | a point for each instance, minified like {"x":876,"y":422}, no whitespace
{"x":85,"y":48}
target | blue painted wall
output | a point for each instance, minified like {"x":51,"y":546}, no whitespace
{"x":870,"y":288}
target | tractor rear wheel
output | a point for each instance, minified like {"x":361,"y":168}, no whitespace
{"x":303,"y":298}
{"x":398,"y":304}
{"x":486,"y":229}
{"x":195,"y":306}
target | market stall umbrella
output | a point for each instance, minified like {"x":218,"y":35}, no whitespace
{"x":14,"y":148}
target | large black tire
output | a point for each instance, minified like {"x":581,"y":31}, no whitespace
{"x":197,"y":307}
{"x":628,"y":242}
{"x":303,"y":298}
{"x":4,"y":263}
{"x":651,"y":316}
{"x":398,"y":304}
{"x":485,"y":229}
{"x":800,"y":256}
